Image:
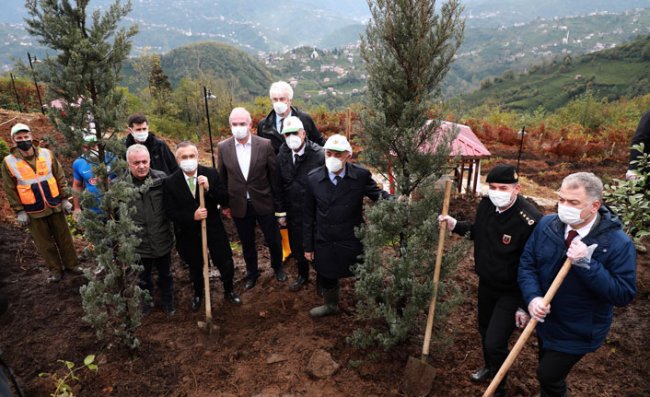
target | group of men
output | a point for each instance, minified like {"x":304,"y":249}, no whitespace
{"x":286,"y":175}
{"x":517,"y":255}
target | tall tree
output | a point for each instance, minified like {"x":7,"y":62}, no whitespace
{"x":160,"y":87}
{"x":82,"y":77}
{"x":408,"y":48}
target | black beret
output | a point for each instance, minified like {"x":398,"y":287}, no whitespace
{"x":502,"y":173}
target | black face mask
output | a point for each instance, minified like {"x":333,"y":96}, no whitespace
{"x":24,"y":145}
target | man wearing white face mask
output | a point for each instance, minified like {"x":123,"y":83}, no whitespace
{"x":504,"y":220}
{"x":297,"y":157}
{"x":162,"y":159}
{"x":270,"y":127}
{"x":248,"y":167}
{"x":603,"y":275}
{"x":333,"y":208}
{"x":182,"y":206}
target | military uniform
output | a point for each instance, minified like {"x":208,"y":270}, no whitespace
{"x":499,"y":239}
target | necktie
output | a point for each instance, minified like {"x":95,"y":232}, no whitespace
{"x":295,"y":158}
{"x":191,"y":184}
{"x":569,"y":238}
{"x":281,"y":125}
{"x":337,"y":180}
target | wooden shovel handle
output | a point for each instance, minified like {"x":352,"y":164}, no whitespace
{"x":564,"y":270}
{"x":206,"y":278}
{"x":436,"y":272}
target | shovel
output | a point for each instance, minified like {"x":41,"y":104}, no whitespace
{"x":207,"y":324}
{"x":527,"y":331}
{"x":419,"y":375}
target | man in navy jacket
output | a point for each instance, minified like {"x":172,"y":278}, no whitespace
{"x":333,"y":208}
{"x":603,"y":275}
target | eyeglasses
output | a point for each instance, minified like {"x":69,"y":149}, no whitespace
{"x":291,"y":133}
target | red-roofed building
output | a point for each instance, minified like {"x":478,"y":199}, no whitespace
{"x":466,"y":148}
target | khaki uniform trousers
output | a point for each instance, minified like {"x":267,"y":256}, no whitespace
{"x":54,"y":242}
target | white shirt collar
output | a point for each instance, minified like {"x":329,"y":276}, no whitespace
{"x":583,"y":231}
{"x":279,"y":119}
{"x":247,"y":143}
{"x":301,"y":151}
{"x":194,"y":175}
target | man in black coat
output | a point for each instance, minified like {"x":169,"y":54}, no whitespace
{"x":162,"y":159}
{"x":504,"y":221}
{"x":182,"y":205}
{"x":333,"y":208}
{"x":297,"y":157}
{"x":270,"y":127}
{"x":155,"y":234}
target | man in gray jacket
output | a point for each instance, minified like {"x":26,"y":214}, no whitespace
{"x":156,"y":237}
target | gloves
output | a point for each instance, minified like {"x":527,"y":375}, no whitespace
{"x":451,"y":222}
{"x":22,"y":218}
{"x":537,"y":309}
{"x":67,"y":206}
{"x":521,"y":318}
{"x":579,"y":254}
{"x":631,"y":175}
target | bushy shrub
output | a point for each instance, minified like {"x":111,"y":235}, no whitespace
{"x":4,"y":149}
{"x":630,"y":199}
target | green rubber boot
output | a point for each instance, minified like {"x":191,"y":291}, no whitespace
{"x":331,"y":306}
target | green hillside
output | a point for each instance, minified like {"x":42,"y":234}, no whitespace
{"x":211,"y":59}
{"x":611,"y":74}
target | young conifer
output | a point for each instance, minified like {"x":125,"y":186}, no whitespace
{"x":82,"y":75}
{"x":408,"y":48}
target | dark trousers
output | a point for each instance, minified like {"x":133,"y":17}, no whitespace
{"x":496,"y":321}
{"x":221,"y":255}
{"x":327,"y":283}
{"x":297,"y":249}
{"x":54,"y":241}
{"x":552,"y":371}
{"x":165,"y":280}
{"x":246,"y":230}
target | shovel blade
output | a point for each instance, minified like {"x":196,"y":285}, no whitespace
{"x":418,"y":378}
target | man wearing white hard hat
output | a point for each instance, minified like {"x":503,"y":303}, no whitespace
{"x":333,"y":208}
{"x":297,"y":156}
{"x":35,"y":185}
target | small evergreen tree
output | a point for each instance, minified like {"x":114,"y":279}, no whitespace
{"x":83,"y":75}
{"x":408,"y":49}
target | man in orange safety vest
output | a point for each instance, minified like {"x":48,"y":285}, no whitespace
{"x":35,"y":186}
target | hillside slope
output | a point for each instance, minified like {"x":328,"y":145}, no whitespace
{"x":210,"y":59}
{"x":611,"y":74}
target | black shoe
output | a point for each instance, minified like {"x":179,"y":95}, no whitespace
{"x":250,"y":283}
{"x":196,"y":303}
{"x":480,"y":375}
{"x":232,"y":297}
{"x":145,"y":308}
{"x":76,"y":270}
{"x":280,"y":275}
{"x":302,"y":280}
{"x":170,"y":310}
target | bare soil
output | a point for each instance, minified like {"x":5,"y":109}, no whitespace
{"x":263,"y":347}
